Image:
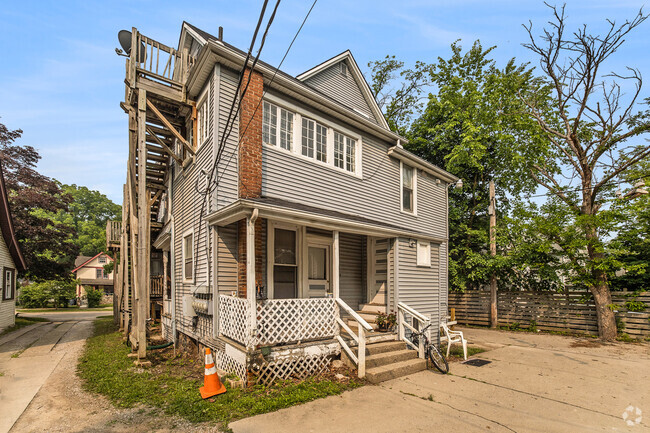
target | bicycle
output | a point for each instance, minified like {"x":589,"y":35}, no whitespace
{"x":433,"y":352}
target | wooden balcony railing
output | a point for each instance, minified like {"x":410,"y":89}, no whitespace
{"x":113,"y":234}
{"x":157,"y":286}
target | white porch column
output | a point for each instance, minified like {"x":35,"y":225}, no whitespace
{"x":250,"y":269}
{"x":335,"y":264}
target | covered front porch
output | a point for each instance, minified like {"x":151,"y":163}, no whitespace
{"x":302,"y":282}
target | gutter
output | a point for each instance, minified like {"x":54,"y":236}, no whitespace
{"x":417,"y":162}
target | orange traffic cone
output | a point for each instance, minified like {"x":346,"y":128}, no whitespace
{"x":211,"y":383}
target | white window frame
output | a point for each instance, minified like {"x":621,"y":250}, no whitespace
{"x":296,"y":148}
{"x":426,"y":260}
{"x":8,"y":291}
{"x":270,"y":254}
{"x":401,"y":189}
{"x":279,"y":111}
{"x":102,"y":259}
{"x":188,"y":233}
{"x":203,"y":118}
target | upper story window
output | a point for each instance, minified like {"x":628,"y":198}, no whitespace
{"x":276,"y":119}
{"x":424,"y":254}
{"x":344,"y":69}
{"x":408,"y":188}
{"x":203,"y":126}
{"x":314,"y":140}
{"x":99,"y":273}
{"x":102,"y":259}
{"x":344,"y":152}
{"x":310,"y":136}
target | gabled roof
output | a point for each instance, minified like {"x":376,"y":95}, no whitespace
{"x":358,"y":77}
{"x":7,"y":226}
{"x":90,"y":260}
{"x":80,"y":260}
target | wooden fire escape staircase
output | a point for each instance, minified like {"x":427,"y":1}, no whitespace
{"x":161,"y":122}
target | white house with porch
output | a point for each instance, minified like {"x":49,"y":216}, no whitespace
{"x":284,"y":238}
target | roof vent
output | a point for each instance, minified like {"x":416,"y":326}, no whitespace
{"x":344,"y":69}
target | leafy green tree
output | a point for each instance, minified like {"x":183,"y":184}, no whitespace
{"x":88,"y":213}
{"x":94,"y":296}
{"x":41,"y":294}
{"x":46,"y":244}
{"x":590,"y":142}
{"x":475,"y":127}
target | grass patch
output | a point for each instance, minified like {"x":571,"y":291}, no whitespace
{"x":74,"y":308}
{"x":172,"y":384}
{"x":21,"y":322}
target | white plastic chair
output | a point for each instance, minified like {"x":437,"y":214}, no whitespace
{"x":454,"y":337}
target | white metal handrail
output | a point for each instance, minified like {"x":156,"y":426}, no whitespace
{"x":359,"y":338}
{"x":402,"y":310}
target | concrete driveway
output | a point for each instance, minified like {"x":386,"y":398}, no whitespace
{"x":29,"y":355}
{"x":534,"y":383}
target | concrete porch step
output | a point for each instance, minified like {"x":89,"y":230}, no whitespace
{"x":392,"y":357}
{"x":398,"y":369}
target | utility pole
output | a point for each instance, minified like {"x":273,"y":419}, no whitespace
{"x":493,"y":253}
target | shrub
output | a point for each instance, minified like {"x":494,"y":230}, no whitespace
{"x":34,"y":296}
{"x":94,"y":297}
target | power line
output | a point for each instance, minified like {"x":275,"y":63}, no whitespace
{"x":265,"y":91}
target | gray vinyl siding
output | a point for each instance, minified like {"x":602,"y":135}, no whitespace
{"x":351,"y":268}
{"x":342,"y":88}
{"x":375,"y":196}
{"x":444,"y":286}
{"x":419,"y":286}
{"x":391,"y":269}
{"x":226,"y":173}
{"x":8,"y":307}
{"x":227,"y":259}
{"x":186,"y":209}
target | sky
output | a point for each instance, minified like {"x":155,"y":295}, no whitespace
{"x":61,"y":81}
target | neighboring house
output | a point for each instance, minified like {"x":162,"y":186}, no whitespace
{"x":90,"y":273}
{"x":316,"y":221}
{"x":11,"y":260}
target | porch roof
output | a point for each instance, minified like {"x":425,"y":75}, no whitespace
{"x":298,"y":213}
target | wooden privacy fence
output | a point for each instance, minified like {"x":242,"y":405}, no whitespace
{"x":572,"y":311}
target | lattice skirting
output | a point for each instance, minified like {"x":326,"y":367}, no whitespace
{"x":297,"y":367}
{"x":167,"y":330}
{"x":230,"y":365}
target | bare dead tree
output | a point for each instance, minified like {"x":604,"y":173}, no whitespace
{"x":589,"y":129}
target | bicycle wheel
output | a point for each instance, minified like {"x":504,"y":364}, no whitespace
{"x":438,"y":359}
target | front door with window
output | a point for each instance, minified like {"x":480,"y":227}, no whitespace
{"x":318,"y":269}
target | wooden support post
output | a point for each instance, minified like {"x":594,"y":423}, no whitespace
{"x":144,"y":219}
{"x":169,"y":126}
{"x":361,"y":353}
{"x":400,"y":324}
{"x":335,"y":264}
{"x":250,"y":270}
{"x":493,"y":253}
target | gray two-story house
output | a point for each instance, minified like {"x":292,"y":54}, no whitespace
{"x":289,"y":219}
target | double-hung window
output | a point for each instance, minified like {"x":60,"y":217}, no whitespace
{"x":277,"y":126}
{"x":99,"y":274}
{"x":408,"y":188}
{"x":9,"y":286}
{"x":344,"y":152}
{"x":202,"y":123}
{"x":188,"y":257}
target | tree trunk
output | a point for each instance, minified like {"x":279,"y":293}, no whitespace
{"x":605,"y":316}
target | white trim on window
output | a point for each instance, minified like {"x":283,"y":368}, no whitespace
{"x":423,"y":253}
{"x":203,"y":117}
{"x":188,"y":234}
{"x":314,"y":121}
{"x":413,"y":211}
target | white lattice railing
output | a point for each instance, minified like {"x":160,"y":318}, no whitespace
{"x":234,"y":318}
{"x":293,"y":320}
